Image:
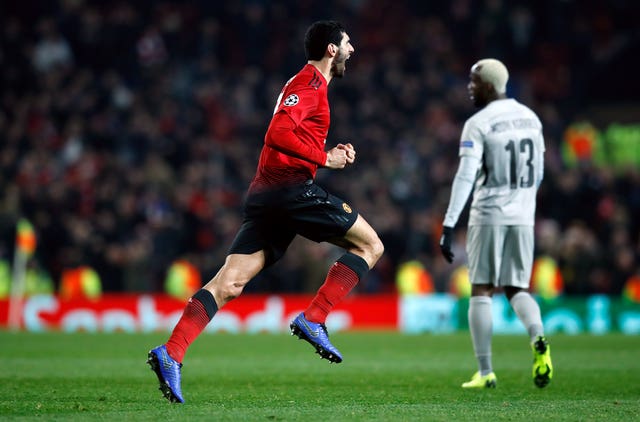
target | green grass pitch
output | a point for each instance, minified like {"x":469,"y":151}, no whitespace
{"x":266,"y":377}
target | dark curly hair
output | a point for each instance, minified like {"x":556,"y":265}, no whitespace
{"x":319,"y":35}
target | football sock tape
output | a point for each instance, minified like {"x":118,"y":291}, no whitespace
{"x":356,"y":263}
{"x":205,"y":297}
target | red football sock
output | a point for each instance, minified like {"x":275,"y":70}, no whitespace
{"x":339,"y":282}
{"x":193,"y":321}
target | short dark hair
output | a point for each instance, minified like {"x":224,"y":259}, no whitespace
{"x":319,"y":35}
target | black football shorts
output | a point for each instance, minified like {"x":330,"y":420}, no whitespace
{"x":273,"y":218}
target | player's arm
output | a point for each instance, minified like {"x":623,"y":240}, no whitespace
{"x":471,"y":150}
{"x":281,"y":137}
{"x":460,"y":191}
{"x":461,"y":188}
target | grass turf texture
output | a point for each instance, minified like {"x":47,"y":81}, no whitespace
{"x":385,"y":377}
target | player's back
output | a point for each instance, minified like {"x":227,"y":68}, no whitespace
{"x":512,"y":160}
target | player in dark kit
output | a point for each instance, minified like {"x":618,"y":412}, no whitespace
{"x":283,"y":201}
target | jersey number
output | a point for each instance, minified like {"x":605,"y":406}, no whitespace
{"x":526,"y":146}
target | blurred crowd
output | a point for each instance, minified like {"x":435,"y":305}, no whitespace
{"x":129,"y":131}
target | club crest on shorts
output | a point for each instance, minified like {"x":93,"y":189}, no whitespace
{"x":346,"y":208}
{"x":291,"y":100}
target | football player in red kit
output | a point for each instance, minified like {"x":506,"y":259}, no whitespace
{"x":282,"y":201}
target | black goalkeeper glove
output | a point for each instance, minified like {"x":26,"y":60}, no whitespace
{"x":445,"y":243}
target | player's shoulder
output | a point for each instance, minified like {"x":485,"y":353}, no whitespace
{"x":527,"y":113}
{"x":308,"y":78}
{"x":480,"y":117}
{"x":499,"y":109}
{"x":515,"y":105}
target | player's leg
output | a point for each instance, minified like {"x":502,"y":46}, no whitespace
{"x":323,"y":217}
{"x":481,"y":329}
{"x":226,"y":285}
{"x":516,"y":273}
{"x":527,"y":310}
{"x":166,"y":360}
{"x":363,"y":249}
{"x":362,"y":240}
{"x":262,"y":240}
{"x":483,"y":244}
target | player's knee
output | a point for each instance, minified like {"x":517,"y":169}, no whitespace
{"x":228,"y":285}
{"x":228,"y":291}
{"x":371,"y":251}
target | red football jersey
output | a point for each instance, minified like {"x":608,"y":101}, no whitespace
{"x":290,"y":158}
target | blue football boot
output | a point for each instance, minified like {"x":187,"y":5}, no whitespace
{"x":316,"y":334}
{"x":168,"y":372}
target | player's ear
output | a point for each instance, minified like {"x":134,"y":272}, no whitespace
{"x":332,"y":48}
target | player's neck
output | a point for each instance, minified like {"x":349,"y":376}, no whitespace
{"x":497,"y":97}
{"x":492,"y":99}
{"x":324,"y":66}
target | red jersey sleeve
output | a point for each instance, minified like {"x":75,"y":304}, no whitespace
{"x":299,"y":101}
{"x":281,"y":137}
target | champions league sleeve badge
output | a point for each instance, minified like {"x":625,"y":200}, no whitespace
{"x":291,"y":100}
